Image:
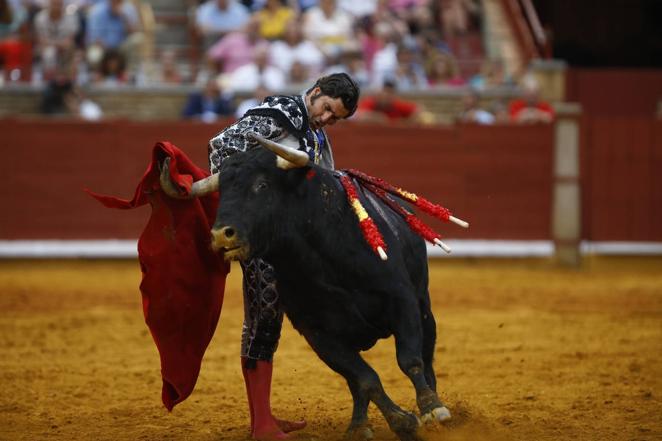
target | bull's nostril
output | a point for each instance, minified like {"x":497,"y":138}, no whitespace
{"x":228,"y":232}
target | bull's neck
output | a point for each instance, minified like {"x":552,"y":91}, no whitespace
{"x":324,"y":231}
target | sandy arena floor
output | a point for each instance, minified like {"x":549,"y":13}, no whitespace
{"x":525,"y":352}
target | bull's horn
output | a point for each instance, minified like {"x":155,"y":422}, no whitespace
{"x":199,"y":188}
{"x":296,"y":157}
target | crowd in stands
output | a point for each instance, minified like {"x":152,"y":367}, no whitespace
{"x":259,"y":46}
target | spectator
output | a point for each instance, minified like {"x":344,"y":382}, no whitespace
{"x":248,"y":77}
{"x":499,"y":109}
{"x":169,"y":70}
{"x":112,"y":69}
{"x":444,"y":71}
{"x":329,"y":27}
{"x":113,"y":25}
{"x":492,"y":74}
{"x":298,"y":76}
{"x":15,"y":45}
{"x":12,"y":18}
{"x":351,"y":62}
{"x":237,"y":48}
{"x":472,"y":112}
{"x":207,"y":105}
{"x":53,"y":99}
{"x":359,"y":9}
{"x":55,"y":30}
{"x":273,"y":18}
{"x":385,"y":60}
{"x":215,"y":18}
{"x":385,"y":106}
{"x":530,"y":109}
{"x":259,"y":95}
{"x":457,"y":17}
{"x":409,"y":73}
{"x":293,"y":48}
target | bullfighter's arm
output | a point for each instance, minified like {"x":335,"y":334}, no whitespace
{"x":233,"y":139}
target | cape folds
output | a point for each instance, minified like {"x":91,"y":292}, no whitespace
{"x":183,"y":280}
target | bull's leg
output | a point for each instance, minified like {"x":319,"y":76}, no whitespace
{"x":365,"y":385}
{"x":359,"y":428}
{"x":429,"y":340}
{"x":409,"y":343}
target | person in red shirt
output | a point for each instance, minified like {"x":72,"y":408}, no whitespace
{"x":385,"y":106}
{"x":530,"y":109}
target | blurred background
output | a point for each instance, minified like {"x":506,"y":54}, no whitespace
{"x":538,"y":121}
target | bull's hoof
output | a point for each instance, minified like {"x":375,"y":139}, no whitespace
{"x":405,"y":425}
{"x":359,"y":433}
{"x":439,"y":414}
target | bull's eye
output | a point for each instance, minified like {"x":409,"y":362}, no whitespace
{"x":260,"y":186}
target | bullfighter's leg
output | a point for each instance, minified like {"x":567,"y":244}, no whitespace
{"x":409,"y":343}
{"x":262,"y":324}
{"x":364,"y":384}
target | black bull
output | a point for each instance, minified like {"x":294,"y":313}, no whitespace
{"x":335,"y":290}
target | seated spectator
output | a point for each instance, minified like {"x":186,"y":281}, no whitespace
{"x":472,"y":113}
{"x":55,"y":31}
{"x":215,"y":18}
{"x":15,"y":44}
{"x":237,"y":48}
{"x":457,"y":17}
{"x":409,"y":73}
{"x":499,"y":109}
{"x":113,"y":25}
{"x":329,"y":27}
{"x":359,"y":9}
{"x":351,"y":62}
{"x":53,"y":99}
{"x":249,"y":76}
{"x":169,"y":70}
{"x":259,"y":95}
{"x":209,"y":104}
{"x":444,"y":71}
{"x":298,"y":77}
{"x":530,"y":109}
{"x":385,"y":106}
{"x":112,"y":69}
{"x":273,"y":18}
{"x":12,"y":18}
{"x":293,"y":48}
{"x":492,"y":74}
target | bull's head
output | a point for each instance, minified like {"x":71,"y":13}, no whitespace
{"x":255,"y":194}
{"x":253,"y":185}
{"x":257,"y":201}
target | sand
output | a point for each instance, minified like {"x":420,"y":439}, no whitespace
{"x":526,"y":351}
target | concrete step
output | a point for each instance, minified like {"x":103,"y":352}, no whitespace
{"x":168,"y":6}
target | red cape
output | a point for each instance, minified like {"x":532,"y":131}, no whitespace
{"x":183,"y":280}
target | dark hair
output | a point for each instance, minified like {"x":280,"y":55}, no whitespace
{"x":340,"y":85}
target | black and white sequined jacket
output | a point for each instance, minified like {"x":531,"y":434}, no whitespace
{"x":280,"y":118}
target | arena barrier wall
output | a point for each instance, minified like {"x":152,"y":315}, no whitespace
{"x":498,"y":178}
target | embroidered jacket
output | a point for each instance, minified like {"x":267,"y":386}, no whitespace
{"x":279,"y":118}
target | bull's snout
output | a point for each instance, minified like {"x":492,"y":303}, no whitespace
{"x":227,"y":240}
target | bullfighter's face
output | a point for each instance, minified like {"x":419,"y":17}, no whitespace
{"x":324,"y":110}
